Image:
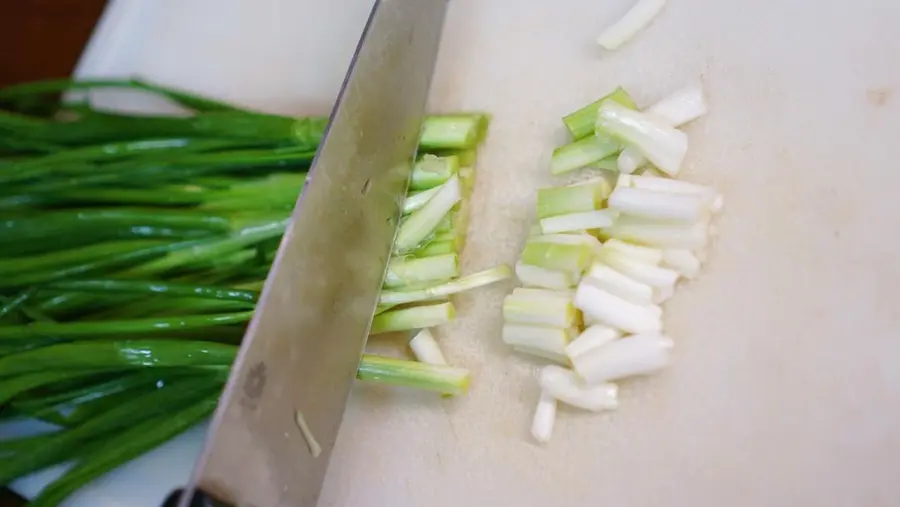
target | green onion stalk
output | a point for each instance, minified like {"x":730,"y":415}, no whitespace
{"x":133,"y":249}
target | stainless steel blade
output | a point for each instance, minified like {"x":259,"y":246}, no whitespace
{"x":304,"y":343}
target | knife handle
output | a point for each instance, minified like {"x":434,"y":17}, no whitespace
{"x":200,"y":499}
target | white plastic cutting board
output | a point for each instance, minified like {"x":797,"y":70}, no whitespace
{"x":786,"y":386}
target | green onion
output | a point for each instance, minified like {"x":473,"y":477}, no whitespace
{"x":541,"y":311}
{"x":582,"y":153}
{"x":556,"y":256}
{"x":443,"y":290}
{"x":572,"y":199}
{"x":413,"y":318}
{"x":453,"y":131}
{"x":431,"y":171}
{"x":581,"y":122}
{"x":420,"y":224}
{"x":431,"y":377}
{"x":415,"y":271}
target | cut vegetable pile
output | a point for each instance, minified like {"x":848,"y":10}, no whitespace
{"x":607,"y":252}
{"x":133,"y":249}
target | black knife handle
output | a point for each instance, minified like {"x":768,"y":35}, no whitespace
{"x":200,"y":499}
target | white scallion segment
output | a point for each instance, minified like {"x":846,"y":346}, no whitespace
{"x":683,"y":261}
{"x":643,"y":253}
{"x":660,"y":234}
{"x":638,"y":17}
{"x":551,"y":312}
{"x":543,"y":354}
{"x":314,"y":448}
{"x":582,"y":153}
{"x":629,"y":220}
{"x":547,"y":339}
{"x":654,"y":205}
{"x":535,"y":276}
{"x":662,"y":294}
{"x":629,"y":160}
{"x":682,"y":106}
{"x":709,"y":195}
{"x":619,"y":284}
{"x":577,"y":221}
{"x":594,"y":336}
{"x":565,"y":385}
{"x":431,"y":171}
{"x":420,"y":224}
{"x":569,"y":239}
{"x":543,"y":293}
{"x":663,"y":145}
{"x":638,"y":354}
{"x":617,"y":312}
{"x":425,"y":348}
{"x":445,"y":289}
{"x":418,"y":270}
{"x":642,"y":272}
{"x":417,"y":200}
{"x":544,"y":417}
{"x":573,"y":259}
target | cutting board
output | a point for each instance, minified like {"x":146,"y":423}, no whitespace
{"x":785,"y":388}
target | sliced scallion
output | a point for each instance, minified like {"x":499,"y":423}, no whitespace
{"x":416,"y":317}
{"x":430,"y":377}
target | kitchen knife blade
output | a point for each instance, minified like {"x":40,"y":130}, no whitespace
{"x":289,"y":384}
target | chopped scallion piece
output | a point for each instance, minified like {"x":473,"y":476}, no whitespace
{"x":663,"y":145}
{"x":573,"y":222}
{"x":615,"y":311}
{"x":544,"y":417}
{"x":445,"y":289}
{"x":413,"y":318}
{"x":641,"y":272}
{"x":620,"y":285}
{"x":639,"y":16}
{"x":637,"y":252}
{"x":594,"y":336}
{"x":431,"y":171}
{"x":436,"y":248}
{"x":660,"y":234}
{"x":551,"y":312}
{"x":564,"y":385}
{"x":655,"y":205}
{"x":535,"y":276}
{"x":548,"y":339}
{"x":582,"y":153}
{"x":572,"y":199}
{"x":425,"y":348}
{"x":557,"y":256}
{"x":552,"y":356}
{"x":639,"y":354}
{"x":431,"y":377}
{"x":581,"y":122}
{"x":683,"y":261}
{"x":452,"y":131}
{"x":418,"y":270}
{"x":420,"y":224}
{"x":416,"y":200}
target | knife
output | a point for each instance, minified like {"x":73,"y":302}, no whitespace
{"x":271,"y":437}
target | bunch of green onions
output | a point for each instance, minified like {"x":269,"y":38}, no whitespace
{"x":133,"y":249}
